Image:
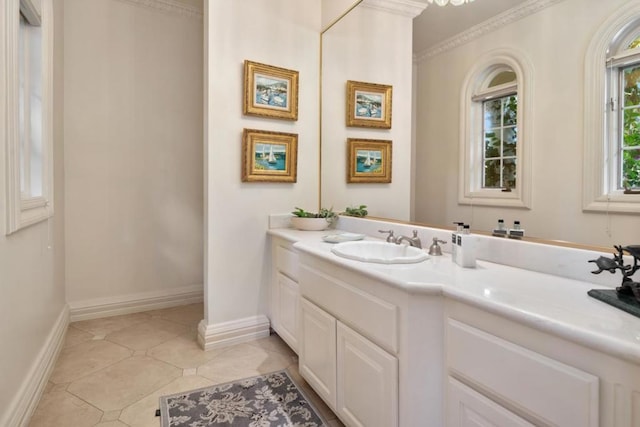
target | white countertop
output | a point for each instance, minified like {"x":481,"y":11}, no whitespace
{"x":546,"y":302}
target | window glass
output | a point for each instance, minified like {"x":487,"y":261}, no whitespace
{"x":30,"y":109}
{"x":35,"y":110}
{"x":630,"y":143}
{"x":500,"y":142}
{"x":21,"y":100}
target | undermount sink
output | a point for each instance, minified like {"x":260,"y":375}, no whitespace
{"x":379,"y":252}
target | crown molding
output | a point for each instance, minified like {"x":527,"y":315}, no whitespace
{"x":514,"y":14}
{"x":169,"y":6}
{"x":408,"y":8}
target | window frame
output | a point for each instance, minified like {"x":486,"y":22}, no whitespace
{"x":23,"y":210}
{"x":474,"y":92}
{"x":599,"y":174}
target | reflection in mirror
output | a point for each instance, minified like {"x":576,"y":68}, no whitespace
{"x":372,"y":45}
{"x":429,"y":173}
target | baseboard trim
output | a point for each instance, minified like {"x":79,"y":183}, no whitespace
{"x":134,"y":303}
{"x":27,"y":397}
{"x":233,"y":332}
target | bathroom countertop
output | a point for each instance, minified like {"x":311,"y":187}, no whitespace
{"x":546,"y":302}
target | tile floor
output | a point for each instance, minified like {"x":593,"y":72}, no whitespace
{"x":112,"y":371}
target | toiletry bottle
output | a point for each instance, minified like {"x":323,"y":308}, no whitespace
{"x":517,"y":232}
{"x":466,"y":251}
{"x":501,"y":231}
{"x":454,"y":241}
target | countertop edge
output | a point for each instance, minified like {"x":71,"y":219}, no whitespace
{"x":562,"y":329}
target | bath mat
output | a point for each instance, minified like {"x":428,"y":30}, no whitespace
{"x":262,"y":401}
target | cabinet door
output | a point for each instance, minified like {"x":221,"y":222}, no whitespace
{"x":468,"y":408}
{"x":288,"y":309}
{"x":367,"y":381}
{"x":317,"y":351}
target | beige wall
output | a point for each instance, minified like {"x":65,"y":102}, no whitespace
{"x":352,"y":51}
{"x":283,"y":33}
{"x":31,"y":266}
{"x":555,"y":41}
{"x":133,"y":154}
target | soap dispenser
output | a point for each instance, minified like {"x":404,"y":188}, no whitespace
{"x":466,"y":251}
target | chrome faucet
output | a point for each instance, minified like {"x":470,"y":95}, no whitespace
{"x":390,"y":237}
{"x":413,"y":241}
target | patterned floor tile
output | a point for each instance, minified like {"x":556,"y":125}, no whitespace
{"x":124,"y":383}
{"x":145,"y":335}
{"x":75,"y":336}
{"x":108,"y":325}
{"x":86,"y":358}
{"x":112,"y":371}
{"x":183,"y":352}
{"x":243,"y":361}
{"x":62,"y":409}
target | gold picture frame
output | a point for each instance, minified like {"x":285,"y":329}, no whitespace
{"x":270,"y":91}
{"x":269,"y":156}
{"x":369,"y":161}
{"x":369,"y":105}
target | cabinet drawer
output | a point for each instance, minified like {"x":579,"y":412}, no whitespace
{"x":371,"y":316}
{"x":287,"y":262}
{"x":466,"y":407}
{"x":551,"y":391}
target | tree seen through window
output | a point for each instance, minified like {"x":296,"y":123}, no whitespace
{"x":500,"y":141}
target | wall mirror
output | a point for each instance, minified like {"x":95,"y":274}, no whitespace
{"x":447,"y":42}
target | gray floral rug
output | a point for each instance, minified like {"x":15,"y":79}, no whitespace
{"x":264,"y":401}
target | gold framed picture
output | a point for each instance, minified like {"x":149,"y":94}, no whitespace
{"x":270,"y":91}
{"x":269,"y":156}
{"x":369,"y":161}
{"x":368,"y":105}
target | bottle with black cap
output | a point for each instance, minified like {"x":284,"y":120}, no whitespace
{"x":517,"y":232}
{"x":466,"y":250}
{"x":454,"y":240}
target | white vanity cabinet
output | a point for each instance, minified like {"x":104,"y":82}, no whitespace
{"x":354,"y":376}
{"x":285,"y":305}
{"x":422,"y":346}
{"x":343,"y":332}
{"x":549,"y":391}
{"x":499,"y":369}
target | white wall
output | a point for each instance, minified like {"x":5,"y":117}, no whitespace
{"x":133,"y":154}
{"x":334,"y":9}
{"x":283,"y":33}
{"x":31,"y":264}
{"x":374,"y":46}
{"x":555,"y":41}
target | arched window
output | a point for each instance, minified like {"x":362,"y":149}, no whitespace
{"x":494,"y":158}
{"x":612,"y":115}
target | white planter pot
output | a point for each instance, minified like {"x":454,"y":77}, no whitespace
{"x":310,"y":224}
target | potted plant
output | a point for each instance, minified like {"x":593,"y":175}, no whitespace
{"x":313,"y":221}
{"x":360,"y":211}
